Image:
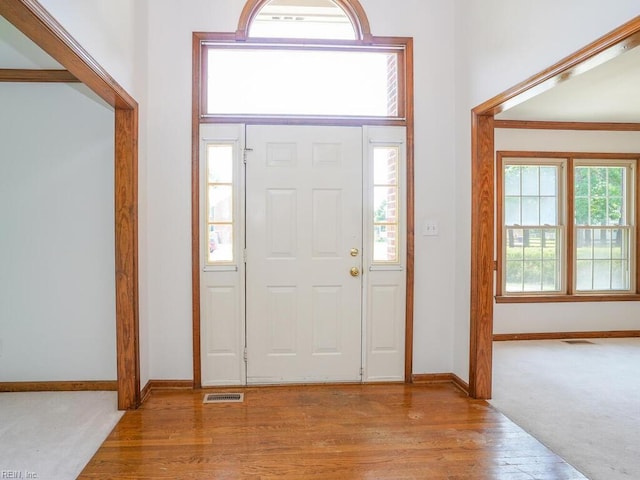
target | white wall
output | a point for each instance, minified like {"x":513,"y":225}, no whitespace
{"x":106,"y":29}
{"x":169,"y":130}
{"x":114,"y":32}
{"x":57,"y":298}
{"x":572,"y":317}
{"x":465,"y":52}
{"x":500,"y":43}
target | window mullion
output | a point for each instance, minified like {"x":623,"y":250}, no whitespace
{"x":570,"y":230}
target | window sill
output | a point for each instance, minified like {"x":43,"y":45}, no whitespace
{"x":621,"y":297}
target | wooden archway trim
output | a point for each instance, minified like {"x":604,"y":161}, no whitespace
{"x":351,"y":8}
{"x":482,"y":195}
{"x":35,"y":22}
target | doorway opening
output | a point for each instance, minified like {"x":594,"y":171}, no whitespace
{"x":211,"y":121}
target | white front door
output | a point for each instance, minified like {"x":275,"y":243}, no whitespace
{"x":304,"y":254}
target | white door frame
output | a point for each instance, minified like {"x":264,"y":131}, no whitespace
{"x":384,"y":292}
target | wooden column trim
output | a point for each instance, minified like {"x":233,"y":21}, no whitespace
{"x":410,"y":173}
{"x":35,"y":22}
{"x":482,"y":262}
{"x":588,"y":126}
{"x":196,"y":89}
{"x":126,"y":234}
{"x":508,"y":337}
{"x":44,"y":76}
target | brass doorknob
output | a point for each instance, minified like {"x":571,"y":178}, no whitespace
{"x":354,"y":252}
{"x":355,"y":271}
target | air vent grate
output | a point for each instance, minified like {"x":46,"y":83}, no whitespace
{"x":578,"y":342}
{"x":223,"y":398}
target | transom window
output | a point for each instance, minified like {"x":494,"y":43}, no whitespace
{"x":302,"y":19}
{"x":568,"y":224}
{"x":308,"y":60}
{"x":311,"y":81}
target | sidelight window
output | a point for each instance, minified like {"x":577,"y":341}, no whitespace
{"x":220,"y":226}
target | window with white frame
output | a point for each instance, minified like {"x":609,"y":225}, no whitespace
{"x":386,"y":208}
{"x":567,"y":224}
{"x":220,"y":222}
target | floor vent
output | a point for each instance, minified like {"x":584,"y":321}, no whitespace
{"x":223,"y":398}
{"x":578,"y":342}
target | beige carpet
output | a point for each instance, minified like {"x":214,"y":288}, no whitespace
{"x":581,"y":400}
{"x":52,"y":435}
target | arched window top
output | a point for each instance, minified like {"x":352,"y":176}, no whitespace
{"x":309,"y":19}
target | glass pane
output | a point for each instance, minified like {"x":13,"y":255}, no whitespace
{"x":601,"y":275}
{"x":619,"y":275}
{"x":514,"y":276}
{"x":530,"y":211}
{"x":512,"y":211}
{"x":532,"y":276}
{"x":385,"y":166}
{"x":515,"y":249}
{"x":550,"y":277}
{"x":598,"y":211}
{"x":317,"y":19}
{"x":385,"y":204}
{"x":219,"y":163}
{"x":581,"y":180}
{"x":615,"y":213}
{"x":597,"y":181}
{"x":602,"y":244}
{"x":220,"y":243}
{"x":549,"y":181}
{"x":548,"y":211}
{"x":385,"y":243}
{"x":616,"y":181}
{"x":581,"y":211}
{"x":619,"y":244}
{"x":220,"y":203}
{"x":302,"y":82}
{"x":584,"y":275}
{"x":584,"y":243}
{"x":512,"y":180}
{"x":530,"y":183}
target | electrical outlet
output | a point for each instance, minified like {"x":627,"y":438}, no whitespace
{"x":430,"y":229}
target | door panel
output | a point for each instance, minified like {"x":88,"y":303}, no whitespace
{"x":304,"y":217}
{"x":221,"y":281}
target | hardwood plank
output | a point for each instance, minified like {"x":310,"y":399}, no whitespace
{"x":321,"y":432}
{"x":28,"y":75}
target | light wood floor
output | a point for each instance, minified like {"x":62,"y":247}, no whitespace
{"x":324,"y":432}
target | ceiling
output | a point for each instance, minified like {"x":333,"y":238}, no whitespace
{"x":609,"y":92}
